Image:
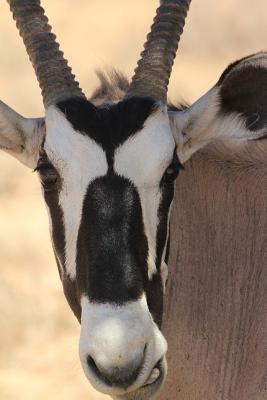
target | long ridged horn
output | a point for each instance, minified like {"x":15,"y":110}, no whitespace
{"x":153,"y":70}
{"x":53,"y":73}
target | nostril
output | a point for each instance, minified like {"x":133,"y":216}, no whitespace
{"x":93,"y":367}
{"x":116,"y":376}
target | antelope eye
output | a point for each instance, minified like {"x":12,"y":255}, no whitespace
{"x":172,"y":171}
{"x":47,"y":173}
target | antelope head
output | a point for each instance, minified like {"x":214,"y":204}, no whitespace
{"x":108,"y":176}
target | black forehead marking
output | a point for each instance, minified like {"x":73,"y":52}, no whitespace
{"x":109,"y":125}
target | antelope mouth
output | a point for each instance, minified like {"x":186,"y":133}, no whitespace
{"x":155,"y":374}
{"x":152,"y":385}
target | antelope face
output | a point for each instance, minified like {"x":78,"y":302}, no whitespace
{"x":108,"y":176}
{"x":108,"y":183}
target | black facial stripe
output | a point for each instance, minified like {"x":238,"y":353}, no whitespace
{"x":167,"y":194}
{"x":245,"y":92}
{"x":154,"y":288}
{"x":59,"y":243}
{"x":58,"y":240}
{"x":112,"y":247}
{"x":56,"y":217}
{"x":58,"y":232}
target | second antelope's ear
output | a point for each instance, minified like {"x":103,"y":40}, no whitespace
{"x":20,"y":137}
{"x":235,"y":108}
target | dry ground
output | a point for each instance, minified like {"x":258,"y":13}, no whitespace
{"x":38,"y":334}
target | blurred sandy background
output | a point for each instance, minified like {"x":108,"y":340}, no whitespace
{"x":38,"y":333}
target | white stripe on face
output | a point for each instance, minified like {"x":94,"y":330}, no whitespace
{"x":78,"y":160}
{"x":143,"y":158}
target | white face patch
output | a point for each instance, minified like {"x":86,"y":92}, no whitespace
{"x":79,"y":160}
{"x":119,"y":336}
{"x":143,"y":159}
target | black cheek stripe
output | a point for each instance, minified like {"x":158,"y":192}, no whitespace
{"x":163,"y":214}
{"x":58,"y":231}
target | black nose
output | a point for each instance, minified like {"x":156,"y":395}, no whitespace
{"x":115,"y":376}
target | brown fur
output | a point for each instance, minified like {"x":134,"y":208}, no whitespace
{"x":215,"y":317}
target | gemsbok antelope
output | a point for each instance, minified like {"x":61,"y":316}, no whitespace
{"x":108,"y":167}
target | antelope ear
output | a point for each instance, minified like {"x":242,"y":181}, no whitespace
{"x":20,"y":137}
{"x":235,"y":108}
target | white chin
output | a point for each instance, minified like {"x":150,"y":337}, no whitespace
{"x":151,"y":389}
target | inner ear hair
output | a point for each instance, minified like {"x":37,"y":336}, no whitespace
{"x":243,"y":90}
{"x":21,"y":137}
{"x":235,"y":108}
